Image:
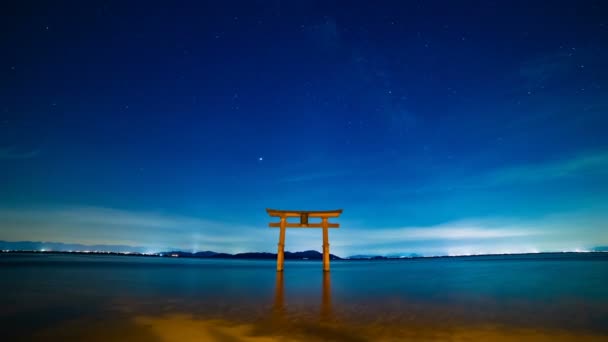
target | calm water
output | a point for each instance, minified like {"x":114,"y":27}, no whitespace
{"x":138,"y":298}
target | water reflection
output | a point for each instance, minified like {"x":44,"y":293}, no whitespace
{"x":326,"y":309}
{"x":278,"y":308}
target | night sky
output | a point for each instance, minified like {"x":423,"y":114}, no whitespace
{"x":440,"y":127}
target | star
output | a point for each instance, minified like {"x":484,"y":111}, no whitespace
{"x":260,"y":158}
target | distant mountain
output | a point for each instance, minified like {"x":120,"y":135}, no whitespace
{"x":65,"y":247}
{"x":305,"y":255}
{"x":362,"y":256}
{"x":404,"y":255}
{"x":311,"y":255}
{"x":367,"y":257}
{"x":74,"y":247}
{"x":205,"y":254}
{"x":387,"y":256}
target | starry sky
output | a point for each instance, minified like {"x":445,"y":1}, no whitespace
{"x":441,"y":128}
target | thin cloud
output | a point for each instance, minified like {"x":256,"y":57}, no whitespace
{"x":14,"y":153}
{"x":97,"y":225}
{"x":313,"y":176}
{"x":456,"y":230}
{"x":577,"y":166}
{"x":559,"y":232}
{"x":158,"y":231}
{"x":538,"y":71}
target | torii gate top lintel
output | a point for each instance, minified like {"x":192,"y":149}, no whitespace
{"x":303,"y":215}
{"x":310,"y":213}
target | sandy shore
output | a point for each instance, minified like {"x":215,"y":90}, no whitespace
{"x":185,"y":327}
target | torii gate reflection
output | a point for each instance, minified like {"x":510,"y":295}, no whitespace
{"x":303,"y":215}
{"x":279,"y":298}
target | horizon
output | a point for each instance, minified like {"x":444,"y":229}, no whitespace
{"x":51,"y":247}
{"x":437,"y":135}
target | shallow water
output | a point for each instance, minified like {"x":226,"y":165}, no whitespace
{"x":88,"y":297}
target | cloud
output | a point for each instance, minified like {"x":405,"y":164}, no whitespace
{"x":457,"y":231}
{"x":538,"y":71}
{"x":541,"y":172}
{"x":558,"y":232}
{"x":471,"y":229}
{"x":158,"y":231}
{"x":12,"y":153}
{"x":313,"y":176}
{"x":588,"y":164}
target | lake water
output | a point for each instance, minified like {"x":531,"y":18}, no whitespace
{"x":510,"y":298}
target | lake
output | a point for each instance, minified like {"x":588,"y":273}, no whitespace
{"x":557,"y":297}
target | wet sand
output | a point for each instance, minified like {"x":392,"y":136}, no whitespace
{"x":289,"y":320}
{"x":185,"y":327}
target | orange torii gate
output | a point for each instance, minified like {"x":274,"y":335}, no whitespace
{"x":303,"y":215}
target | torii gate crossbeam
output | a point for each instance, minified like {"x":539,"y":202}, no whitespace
{"x":303,"y":215}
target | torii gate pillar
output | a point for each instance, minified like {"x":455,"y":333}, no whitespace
{"x":303,"y":215}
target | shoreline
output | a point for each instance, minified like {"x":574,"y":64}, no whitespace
{"x":272,"y":256}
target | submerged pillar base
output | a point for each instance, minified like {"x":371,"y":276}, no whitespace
{"x":326,"y":258}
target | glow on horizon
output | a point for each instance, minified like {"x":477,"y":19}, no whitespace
{"x":465,"y":237}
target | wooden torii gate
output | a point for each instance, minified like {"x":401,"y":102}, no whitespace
{"x":303,"y":215}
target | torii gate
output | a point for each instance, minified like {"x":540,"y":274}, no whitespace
{"x":303,"y":215}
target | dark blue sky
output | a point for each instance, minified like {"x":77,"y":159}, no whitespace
{"x":439,"y":127}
